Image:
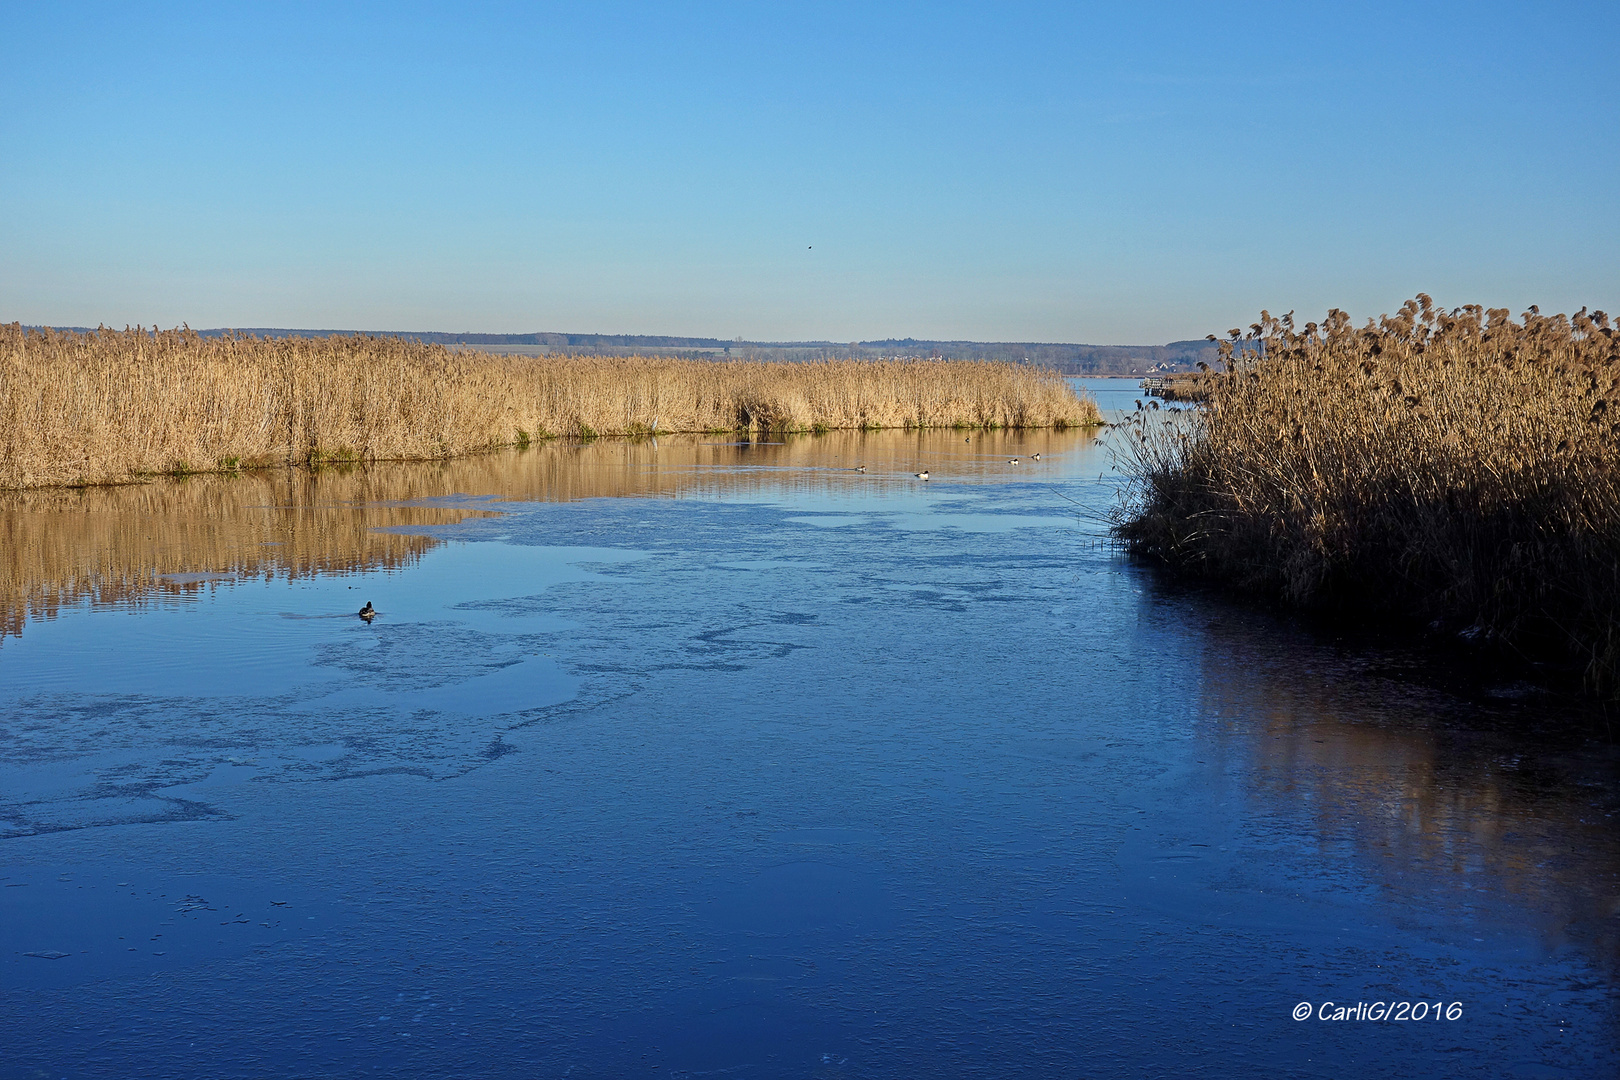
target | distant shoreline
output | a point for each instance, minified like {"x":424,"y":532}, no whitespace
{"x":1067,"y":358}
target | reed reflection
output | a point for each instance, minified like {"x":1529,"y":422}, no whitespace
{"x":174,"y":538}
{"x":1490,"y":808}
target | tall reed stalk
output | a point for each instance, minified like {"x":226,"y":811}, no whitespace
{"x":1456,"y":468}
{"x":111,"y":405}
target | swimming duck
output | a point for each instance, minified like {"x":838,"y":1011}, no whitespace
{"x":368,"y":612}
{"x":860,"y":468}
{"x":1035,"y":457}
{"x":1014,"y":461}
{"x":922,"y":475}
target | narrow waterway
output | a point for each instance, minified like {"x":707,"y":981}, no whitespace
{"x":702,"y":757}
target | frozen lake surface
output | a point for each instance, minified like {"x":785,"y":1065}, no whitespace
{"x":715,"y":759}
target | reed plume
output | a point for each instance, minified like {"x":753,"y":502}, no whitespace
{"x":1455,"y":468}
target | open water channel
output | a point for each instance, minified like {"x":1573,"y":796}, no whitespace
{"x":706,"y":758}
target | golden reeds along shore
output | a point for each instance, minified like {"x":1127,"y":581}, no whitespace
{"x":1453,"y":469}
{"x":111,"y":406}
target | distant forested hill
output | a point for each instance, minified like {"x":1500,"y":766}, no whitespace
{"x":1068,"y":358}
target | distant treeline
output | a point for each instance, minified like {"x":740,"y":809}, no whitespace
{"x":436,"y":337}
{"x":1066,"y":358}
{"x":1069,"y":359}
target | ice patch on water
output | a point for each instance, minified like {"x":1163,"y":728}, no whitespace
{"x":529,"y":684}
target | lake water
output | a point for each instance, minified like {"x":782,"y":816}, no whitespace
{"x":709,"y":758}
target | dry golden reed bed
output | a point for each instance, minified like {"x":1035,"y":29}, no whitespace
{"x":109,"y":406}
{"x":1453,"y":467}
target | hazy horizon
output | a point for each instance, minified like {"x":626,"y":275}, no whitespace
{"x":418,"y":331}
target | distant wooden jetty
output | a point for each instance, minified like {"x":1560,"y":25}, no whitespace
{"x":1182,"y":386}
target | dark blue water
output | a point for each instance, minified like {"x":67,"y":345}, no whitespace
{"x":768,"y":768}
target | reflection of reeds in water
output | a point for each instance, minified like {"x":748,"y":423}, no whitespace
{"x":103,"y":407}
{"x":124,"y":545}
{"x":1455,"y":469}
{"x":1437,"y":809}
{"x":121,"y":545}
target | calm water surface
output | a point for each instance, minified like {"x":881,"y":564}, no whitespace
{"x":695,"y":758}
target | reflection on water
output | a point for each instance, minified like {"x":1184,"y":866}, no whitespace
{"x":123,"y":545}
{"x":729,"y":759}
{"x":175,"y":538}
{"x":1503,"y":807}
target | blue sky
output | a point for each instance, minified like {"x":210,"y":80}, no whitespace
{"x":1123,"y":173}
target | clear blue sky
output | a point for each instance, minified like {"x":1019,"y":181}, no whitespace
{"x":1120,"y":172}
